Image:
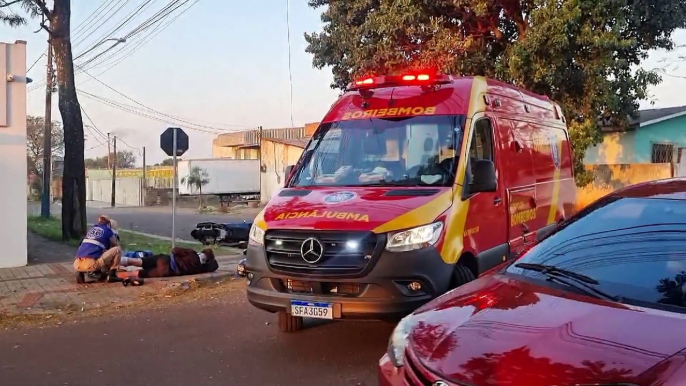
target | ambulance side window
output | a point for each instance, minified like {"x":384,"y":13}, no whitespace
{"x":482,"y":143}
{"x":481,"y":147}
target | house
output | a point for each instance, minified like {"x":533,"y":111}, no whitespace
{"x":13,"y":206}
{"x":275,"y":155}
{"x":275,"y":148}
{"x":657,"y":136}
{"x":246,"y":144}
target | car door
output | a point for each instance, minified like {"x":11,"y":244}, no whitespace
{"x":486,"y":230}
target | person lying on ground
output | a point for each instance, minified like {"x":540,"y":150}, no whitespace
{"x":181,"y":262}
{"x":100,"y":251}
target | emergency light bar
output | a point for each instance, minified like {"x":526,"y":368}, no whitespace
{"x":413,"y":79}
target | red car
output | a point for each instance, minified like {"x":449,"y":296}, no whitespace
{"x":601,"y":301}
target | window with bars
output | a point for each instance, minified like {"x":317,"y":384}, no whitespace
{"x":662,"y":153}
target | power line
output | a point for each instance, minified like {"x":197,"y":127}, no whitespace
{"x":131,"y":110}
{"x":290,"y":73}
{"x":131,"y":49}
{"x":89,"y":32}
{"x":34,"y":63}
{"x":94,"y":126}
{"x":92,"y":15}
{"x":150,"y":108}
{"x":160,"y":15}
{"x":153,"y":20}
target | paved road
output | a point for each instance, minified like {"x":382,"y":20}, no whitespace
{"x":155,"y":220}
{"x":227,"y":343}
{"x":158,"y":220}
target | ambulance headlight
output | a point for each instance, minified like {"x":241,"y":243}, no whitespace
{"x":415,"y":238}
{"x":256,"y":235}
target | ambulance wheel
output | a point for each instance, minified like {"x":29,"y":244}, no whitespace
{"x":461,"y":276}
{"x":80,"y":278}
{"x":288,"y":323}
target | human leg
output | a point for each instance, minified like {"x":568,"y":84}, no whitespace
{"x":109,"y":261}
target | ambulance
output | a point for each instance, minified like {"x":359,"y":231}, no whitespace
{"x":412,"y":185}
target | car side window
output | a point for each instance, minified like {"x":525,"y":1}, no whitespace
{"x":481,"y":146}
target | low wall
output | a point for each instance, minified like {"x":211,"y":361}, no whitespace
{"x":609,"y":178}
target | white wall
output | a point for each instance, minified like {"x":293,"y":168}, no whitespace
{"x":275,"y":158}
{"x":13,"y":155}
{"x":129,"y":192}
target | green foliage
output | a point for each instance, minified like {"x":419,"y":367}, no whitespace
{"x":35,"y":128}
{"x":125,"y":160}
{"x":197,"y":178}
{"x":581,"y":53}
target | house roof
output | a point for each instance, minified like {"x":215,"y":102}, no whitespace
{"x":646,"y":118}
{"x":297,"y":142}
{"x":652,"y":116}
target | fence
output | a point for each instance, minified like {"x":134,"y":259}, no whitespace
{"x":128,"y":191}
{"x":609,"y":178}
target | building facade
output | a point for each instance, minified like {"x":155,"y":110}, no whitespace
{"x":13,"y":206}
{"x":657,"y":136}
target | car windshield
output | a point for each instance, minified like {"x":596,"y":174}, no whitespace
{"x":416,"y":151}
{"x":635,"y":248}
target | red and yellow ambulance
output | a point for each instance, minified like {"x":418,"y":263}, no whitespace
{"x":412,"y":185}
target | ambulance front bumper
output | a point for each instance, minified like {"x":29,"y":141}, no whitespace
{"x":394,"y":285}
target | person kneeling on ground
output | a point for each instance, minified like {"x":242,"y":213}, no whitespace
{"x":100,"y":251}
{"x":181,"y":262}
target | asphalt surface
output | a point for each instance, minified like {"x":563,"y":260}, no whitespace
{"x":223,"y":343}
{"x":156,"y":220}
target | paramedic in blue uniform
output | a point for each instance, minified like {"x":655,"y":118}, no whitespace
{"x":100,"y":251}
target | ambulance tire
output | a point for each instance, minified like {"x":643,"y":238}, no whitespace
{"x":288,"y":323}
{"x":462,"y":275}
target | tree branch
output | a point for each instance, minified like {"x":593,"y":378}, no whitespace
{"x":4,"y":4}
{"x":43,"y":8}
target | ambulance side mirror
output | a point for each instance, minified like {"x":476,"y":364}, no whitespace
{"x":484,"y":178}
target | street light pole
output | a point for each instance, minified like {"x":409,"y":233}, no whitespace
{"x":116,"y":40}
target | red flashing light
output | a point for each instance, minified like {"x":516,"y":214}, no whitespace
{"x":366,"y":81}
{"x":423,"y":77}
{"x":409,"y":77}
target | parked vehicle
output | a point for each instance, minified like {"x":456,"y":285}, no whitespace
{"x":230,"y":233}
{"x":230,"y":179}
{"x":411,"y":186}
{"x":595,"y":303}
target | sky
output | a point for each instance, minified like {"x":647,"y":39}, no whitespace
{"x":222,"y":64}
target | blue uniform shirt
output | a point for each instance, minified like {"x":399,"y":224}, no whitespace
{"x":96,"y":242}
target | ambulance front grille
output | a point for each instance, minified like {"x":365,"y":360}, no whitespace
{"x":345,"y":253}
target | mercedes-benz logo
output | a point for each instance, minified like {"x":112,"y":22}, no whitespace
{"x":311,"y":250}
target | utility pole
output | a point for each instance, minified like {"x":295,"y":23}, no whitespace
{"x":109,"y":152}
{"x":145,"y":179}
{"x":114,"y":170}
{"x":47,"y":139}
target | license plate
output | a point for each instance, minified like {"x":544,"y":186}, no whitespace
{"x":311,"y":309}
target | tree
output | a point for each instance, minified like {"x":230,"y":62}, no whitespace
{"x":197,"y":178}
{"x":581,"y":53}
{"x":167,"y":162}
{"x":9,"y":17}
{"x":34,"y":142}
{"x":125,"y":160}
{"x":57,"y":23}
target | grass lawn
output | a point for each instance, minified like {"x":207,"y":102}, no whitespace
{"x":51,"y":229}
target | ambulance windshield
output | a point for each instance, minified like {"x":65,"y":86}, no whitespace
{"x":415,"y":151}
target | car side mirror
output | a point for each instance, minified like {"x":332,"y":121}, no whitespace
{"x":483,"y":177}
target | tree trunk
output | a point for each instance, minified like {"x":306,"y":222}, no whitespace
{"x":74,"y":178}
{"x":201,"y":205}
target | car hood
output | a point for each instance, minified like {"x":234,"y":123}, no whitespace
{"x":365,"y":209}
{"x":505,"y":332}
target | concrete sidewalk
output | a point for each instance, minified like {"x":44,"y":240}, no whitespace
{"x":50,"y":288}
